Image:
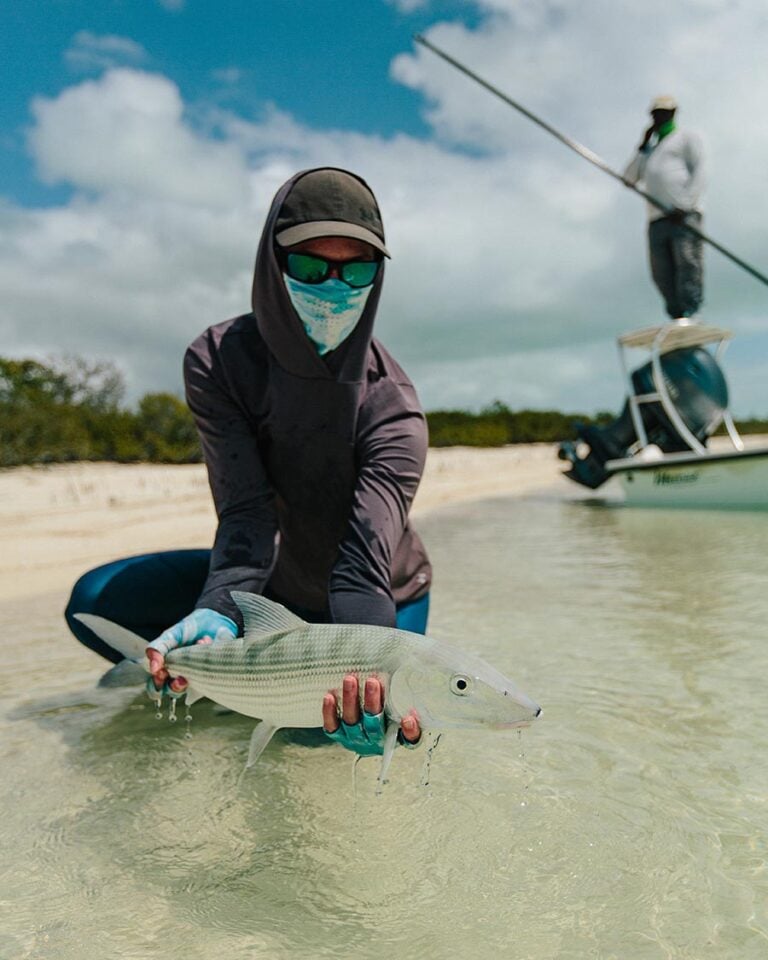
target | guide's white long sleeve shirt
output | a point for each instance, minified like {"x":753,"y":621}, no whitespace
{"x":672,"y":172}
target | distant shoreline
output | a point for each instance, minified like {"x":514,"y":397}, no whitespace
{"x":58,"y":521}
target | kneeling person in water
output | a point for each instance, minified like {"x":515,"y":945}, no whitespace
{"x":314,"y":441}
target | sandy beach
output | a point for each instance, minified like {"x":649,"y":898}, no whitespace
{"x":57,"y":522}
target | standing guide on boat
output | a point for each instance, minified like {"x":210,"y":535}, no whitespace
{"x":679,"y":397}
{"x":591,"y":157}
{"x":670,"y":164}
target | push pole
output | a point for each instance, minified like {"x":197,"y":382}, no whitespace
{"x":588,"y":155}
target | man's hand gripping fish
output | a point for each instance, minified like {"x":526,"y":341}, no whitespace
{"x":282,"y":667}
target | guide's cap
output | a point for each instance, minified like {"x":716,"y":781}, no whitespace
{"x":664,"y":102}
{"x":330,"y":203}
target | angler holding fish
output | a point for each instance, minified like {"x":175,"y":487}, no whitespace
{"x":314,"y":441}
{"x":282,"y":665}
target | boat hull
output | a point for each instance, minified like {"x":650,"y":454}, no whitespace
{"x":733,"y":480}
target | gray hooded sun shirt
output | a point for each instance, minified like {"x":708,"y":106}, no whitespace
{"x":313,"y":462}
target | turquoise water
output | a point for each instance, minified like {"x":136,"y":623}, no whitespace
{"x":630,"y":822}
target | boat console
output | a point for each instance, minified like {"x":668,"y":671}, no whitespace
{"x":675,"y":401}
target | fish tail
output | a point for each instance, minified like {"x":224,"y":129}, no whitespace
{"x":128,"y":644}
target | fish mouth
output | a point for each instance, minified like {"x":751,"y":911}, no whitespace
{"x":512,"y":724}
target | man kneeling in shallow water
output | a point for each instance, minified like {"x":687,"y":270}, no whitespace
{"x":314,"y":441}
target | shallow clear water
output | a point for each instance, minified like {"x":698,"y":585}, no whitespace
{"x":630,"y":822}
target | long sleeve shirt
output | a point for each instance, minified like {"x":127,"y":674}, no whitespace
{"x":672,"y":171}
{"x":322,"y":520}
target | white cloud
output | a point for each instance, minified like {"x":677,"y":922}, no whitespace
{"x":126,"y":131}
{"x":515,"y":263}
{"x":576,"y":381}
{"x":228,"y":75}
{"x":409,"y":6}
{"x":90,"y":51}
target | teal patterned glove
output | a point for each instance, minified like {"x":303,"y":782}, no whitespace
{"x":193,"y":628}
{"x":197,"y":626}
{"x":366,"y":738}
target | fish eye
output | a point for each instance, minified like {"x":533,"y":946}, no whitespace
{"x":460,"y":685}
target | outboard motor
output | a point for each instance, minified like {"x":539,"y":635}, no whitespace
{"x":697,"y":388}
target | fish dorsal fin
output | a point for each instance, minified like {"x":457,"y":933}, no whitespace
{"x":129,"y":644}
{"x":264,"y":619}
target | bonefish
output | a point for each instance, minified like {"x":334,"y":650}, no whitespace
{"x":282,"y":666}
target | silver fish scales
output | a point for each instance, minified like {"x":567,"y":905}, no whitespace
{"x":282,"y":666}
{"x":287,"y":679}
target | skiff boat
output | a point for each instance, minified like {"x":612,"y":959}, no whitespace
{"x":660,"y":446}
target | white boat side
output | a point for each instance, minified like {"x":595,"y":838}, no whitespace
{"x":736,"y":479}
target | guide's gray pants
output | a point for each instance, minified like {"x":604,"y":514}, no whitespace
{"x":677,"y":264}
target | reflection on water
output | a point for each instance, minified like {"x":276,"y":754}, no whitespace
{"x":629,"y":822}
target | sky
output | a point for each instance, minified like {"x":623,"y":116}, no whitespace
{"x":141,"y":142}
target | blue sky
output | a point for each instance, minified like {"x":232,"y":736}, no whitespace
{"x":327,"y":62}
{"x":141,"y":142}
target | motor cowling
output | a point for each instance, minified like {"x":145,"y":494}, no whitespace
{"x":695,"y":384}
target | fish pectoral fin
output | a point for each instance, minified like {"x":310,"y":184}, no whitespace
{"x":264,"y":620}
{"x":127,"y":673}
{"x":129,"y":644}
{"x":259,"y":739}
{"x":390,"y":742}
{"x":193,"y":696}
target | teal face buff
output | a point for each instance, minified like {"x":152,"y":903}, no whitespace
{"x":329,"y":310}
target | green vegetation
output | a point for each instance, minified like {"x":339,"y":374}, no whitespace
{"x":497,"y":425}
{"x":68,"y":409}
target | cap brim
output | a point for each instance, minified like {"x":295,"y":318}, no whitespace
{"x":328,"y":228}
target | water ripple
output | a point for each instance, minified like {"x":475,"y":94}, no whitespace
{"x":629,"y":822}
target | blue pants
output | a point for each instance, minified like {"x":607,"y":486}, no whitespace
{"x":149,"y":593}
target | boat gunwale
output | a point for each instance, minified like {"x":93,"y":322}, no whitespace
{"x":682,"y":459}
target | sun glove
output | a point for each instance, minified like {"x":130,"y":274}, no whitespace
{"x":196,"y":626}
{"x":366,"y":738}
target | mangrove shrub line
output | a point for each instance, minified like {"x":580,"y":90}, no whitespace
{"x":68,"y":409}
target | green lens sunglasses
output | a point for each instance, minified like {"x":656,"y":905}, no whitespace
{"x":307,"y":268}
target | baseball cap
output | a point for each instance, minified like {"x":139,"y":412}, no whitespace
{"x":330,"y":203}
{"x":664,"y":102}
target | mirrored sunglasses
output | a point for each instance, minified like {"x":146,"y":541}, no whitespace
{"x":308,"y":268}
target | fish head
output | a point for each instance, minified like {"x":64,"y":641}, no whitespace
{"x":448,"y":688}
